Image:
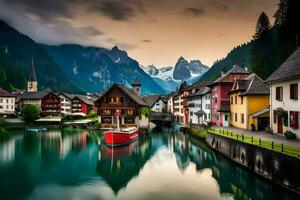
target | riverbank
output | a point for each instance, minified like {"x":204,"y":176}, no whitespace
{"x":265,"y":159}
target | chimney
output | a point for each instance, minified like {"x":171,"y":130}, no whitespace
{"x":136,"y":86}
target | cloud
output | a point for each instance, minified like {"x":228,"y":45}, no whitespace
{"x":194,"y":11}
{"x":119,"y":10}
{"x":147,"y":41}
{"x":91,"y":31}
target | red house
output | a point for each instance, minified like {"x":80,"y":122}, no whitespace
{"x":81,"y":104}
{"x":220,"y":100}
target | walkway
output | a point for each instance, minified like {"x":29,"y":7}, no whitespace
{"x":264,"y":136}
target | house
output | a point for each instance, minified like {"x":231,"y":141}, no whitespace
{"x":155,"y":102}
{"x":125,"y":101}
{"x":7,"y":104}
{"x":170,"y":103}
{"x":180,"y":112}
{"x":81,"y":104}
{"x":66,"y":102}
{"x":199,"y":105}
{"x":47,"y":101}
{"x":284,"y":96}
{"x":249,"y":103}
{"x":220,"y":102}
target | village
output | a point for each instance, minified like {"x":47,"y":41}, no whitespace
{"x":237,"y":99}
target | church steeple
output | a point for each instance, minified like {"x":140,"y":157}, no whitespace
{"x":32,"y":82}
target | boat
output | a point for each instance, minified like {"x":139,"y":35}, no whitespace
{"x":36,"y":130}
{"x":120,"y":137}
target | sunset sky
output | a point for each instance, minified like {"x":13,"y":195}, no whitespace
{"x":152,"y":31}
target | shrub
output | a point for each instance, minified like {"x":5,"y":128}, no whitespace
{"x":92,"y":114}
{"x":290,"y":135}
{"x":30,"y":113}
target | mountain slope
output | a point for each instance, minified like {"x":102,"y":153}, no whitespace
{"x":16,"y":53}
{"x":95,"y":69}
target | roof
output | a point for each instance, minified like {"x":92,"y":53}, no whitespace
{"x":32,"y":76}
{"x":252,"y":85}
{"x":234,"y":70}
{"x":151,"y":99}
{"x":85,"y":99}
{"x":69,"y":96}
{"x":260,"y":112}
{"x":138,"y":99}
{"x":288,"y":70}
{"x":224,"y":109}
{"x":34,"y":95}
{"x":4,"y":93}
{"x":199,"y":113}
{"x":202,"y":91}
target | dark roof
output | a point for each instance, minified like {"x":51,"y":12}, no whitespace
{"x":252,"y":85}
{"x":69,"y":96}
{"x":138,"y":99}
{"x":32,"y":76}
{"x":34,"y":95}
{"x":4,"y":93}
{"x":234,"y":70}
{"x":201,"y":91}
{"x":151,"y":99}
{"x":288,"y":70}
{"x":85,"y":99}
{"x":199,"y":113}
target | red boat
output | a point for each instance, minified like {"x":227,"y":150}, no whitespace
{"x":120,"y":137}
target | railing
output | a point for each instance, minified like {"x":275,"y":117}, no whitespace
{"x":271,"y":145}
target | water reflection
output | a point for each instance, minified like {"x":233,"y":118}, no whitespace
{"x":69,"y":164}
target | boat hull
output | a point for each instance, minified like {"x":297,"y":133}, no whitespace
{"x":115,"y":138}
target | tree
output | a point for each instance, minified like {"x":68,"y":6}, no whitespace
{"x":262,"y":25}
{"x":30,"y":113}
{"x":92,"y":114}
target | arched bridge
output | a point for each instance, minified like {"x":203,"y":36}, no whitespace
{"x":161,"y":119}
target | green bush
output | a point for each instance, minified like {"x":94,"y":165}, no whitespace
{"x":30,"y":113}
{"x":290,"y":135}
{"x":92,"y":114}
{"x":11,"y":126}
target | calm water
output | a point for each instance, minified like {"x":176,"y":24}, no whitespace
{"x":71,"y":165}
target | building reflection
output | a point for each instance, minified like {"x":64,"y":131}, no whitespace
{"x":118,"y":165}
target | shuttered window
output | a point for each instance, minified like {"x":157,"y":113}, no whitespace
{"x":294,"y":91}
{"x":294,"y":121}
{"x":279,"y":93}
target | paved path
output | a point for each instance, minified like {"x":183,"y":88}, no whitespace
{"x":265,"y":136}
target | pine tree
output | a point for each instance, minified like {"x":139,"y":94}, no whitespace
{"x":262,"y":26}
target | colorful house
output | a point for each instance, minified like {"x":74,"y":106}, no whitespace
{"x":249,"y":104}
{"x":220,"y":101}
{"x":81,"y":104}
{"x":124,"y":100}
{"x":284,"y":96}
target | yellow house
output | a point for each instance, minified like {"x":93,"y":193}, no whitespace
{"x":249,"y":104}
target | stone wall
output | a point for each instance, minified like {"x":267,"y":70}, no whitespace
{"x":279,"y":168}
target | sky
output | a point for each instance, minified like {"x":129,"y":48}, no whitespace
{"x":151,"y":31}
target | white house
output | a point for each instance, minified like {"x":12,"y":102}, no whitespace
{"x":170,"y":103}
{"x":284,"y":96}
{"x":66,"y":102}
{"x":7,"y":103}
{"x":199,"y":106}
{"x":155,"y":102}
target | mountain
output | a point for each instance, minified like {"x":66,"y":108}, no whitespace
{"x":94,"y":69}
{"x":170,"y":77}
{"x":16,"y":53}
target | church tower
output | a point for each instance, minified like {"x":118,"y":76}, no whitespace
{"x":32,"y":82}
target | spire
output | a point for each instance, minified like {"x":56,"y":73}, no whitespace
{"x":32,"y":76}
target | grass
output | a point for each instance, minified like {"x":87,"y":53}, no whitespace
{"x":199,"y":133}
{"x":11,"y":126}
{"x":277,"y":147}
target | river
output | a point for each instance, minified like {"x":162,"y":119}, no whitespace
{"x":76,"y":164}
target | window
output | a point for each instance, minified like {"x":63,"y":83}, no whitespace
{"x":279,"y":93}
{"x":242,"y":118}
{"x":235,"y":99}
{"x":294,"y":91}
{"x":235,"y":117}
{"x":225,"y":116}
{"x":294,"y":119}
{"x":231,"y":100}
{"x":242,"y":100}
{"x":6,"y":100}
{"x":1,"y":100}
